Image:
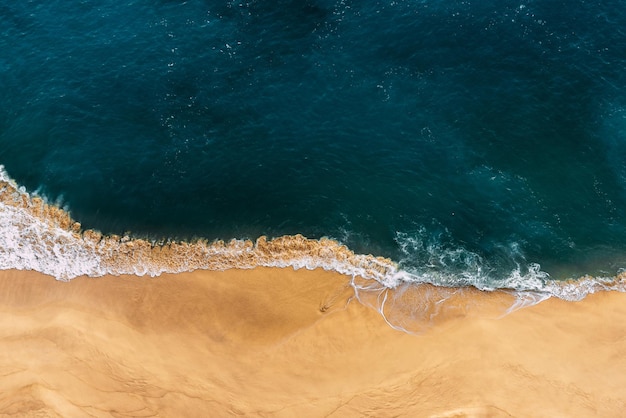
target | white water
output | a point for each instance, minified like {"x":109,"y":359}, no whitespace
{"x":34,"y":238}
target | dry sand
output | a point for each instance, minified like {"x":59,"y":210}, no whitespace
{"x":274,"y":342}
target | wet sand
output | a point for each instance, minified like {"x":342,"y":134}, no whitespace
{"x":278,"y":342}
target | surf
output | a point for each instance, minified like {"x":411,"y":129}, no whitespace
{"x":41,"y":236}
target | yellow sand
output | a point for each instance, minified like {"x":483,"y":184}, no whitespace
{"x":274,"y":342}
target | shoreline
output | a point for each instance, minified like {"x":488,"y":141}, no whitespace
{"x":41,"y":236}
{"x":279,"y":342}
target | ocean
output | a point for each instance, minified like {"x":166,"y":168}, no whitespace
{"x":458,"y":143}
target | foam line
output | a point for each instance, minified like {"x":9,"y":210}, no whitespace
{"x":36,"y":235}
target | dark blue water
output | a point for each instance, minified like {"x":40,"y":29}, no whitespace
{"x":455,"y":135}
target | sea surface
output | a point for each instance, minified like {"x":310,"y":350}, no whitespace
{"x":466,"y":142}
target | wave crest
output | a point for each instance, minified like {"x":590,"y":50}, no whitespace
{"x":35,"y":235}
{"x":39,"y":236}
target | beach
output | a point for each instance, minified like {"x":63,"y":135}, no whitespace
{"x":312,"y":209}
{"x":279,"y":342}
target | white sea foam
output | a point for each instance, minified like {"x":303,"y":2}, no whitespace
{"x":42,"y":237}
{"x":430,"y":260}
{"x":28,"y":243}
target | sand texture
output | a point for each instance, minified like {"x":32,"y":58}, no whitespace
{"x":278,"y":342}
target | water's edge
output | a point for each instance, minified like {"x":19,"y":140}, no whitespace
{"x":40,"y":236}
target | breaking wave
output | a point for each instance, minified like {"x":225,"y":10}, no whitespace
{"x":35,"y":235}
{"x":38,"y":236}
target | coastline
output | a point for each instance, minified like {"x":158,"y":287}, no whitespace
{"x":279,"y":342}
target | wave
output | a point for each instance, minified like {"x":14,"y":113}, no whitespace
{"x":36,"y":235}
{"x":39,"y":236}
{"x":439,"y":261}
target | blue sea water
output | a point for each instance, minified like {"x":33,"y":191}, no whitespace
{"x":461,"y":139}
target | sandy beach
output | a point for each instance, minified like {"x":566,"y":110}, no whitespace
{"x":279,"y":342}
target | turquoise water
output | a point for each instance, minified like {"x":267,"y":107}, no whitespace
{"x":463,"y":140}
